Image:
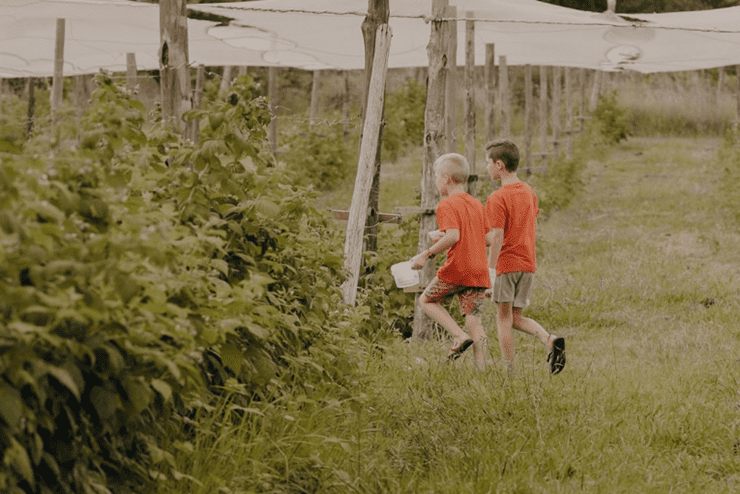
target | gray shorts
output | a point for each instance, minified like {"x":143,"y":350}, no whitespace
{"x":513,"y":288}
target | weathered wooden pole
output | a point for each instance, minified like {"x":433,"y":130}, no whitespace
{"x":569,"y":112}
{"x":57,"y":87}
{"x":470,"y":97}
{"x":226,"y":78}
{"x":595,"y":90}
{"x":345,"y":105}
{"x":366,"y":166}
{"x":544,"y":148}
{"x":582,"y":99}
{"x":557,"y":89}
{"x":720,"y":83}
{"x":313,"y":109}
{"x":504,"y":97}
{"x":490,"y":81}
{"x":30,"y":89}
{"x":272,"y":129}
{"x":451,"y":129}
{"x":200,"y":76}
{"x":434,"y":112}
{"x":243,"y":70}
{"x":378,"y":13}
{"x":131,"y":75}
{"x":528,"y":116}
{"x":173,"y":61}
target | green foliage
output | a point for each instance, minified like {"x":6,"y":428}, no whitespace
{"x":139,"y":275}
{"x":318,"y":154}
{"x":404,"y":119}
{"x":611,"y":118}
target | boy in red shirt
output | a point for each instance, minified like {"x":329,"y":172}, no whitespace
{"x":512,"y":214}
{"x":462,"y":218}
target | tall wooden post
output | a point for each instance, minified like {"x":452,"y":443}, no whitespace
{"x":345,"y":105}
{"x":556,"y":93}
{"x":173,"y":61}
{"x":366,"y":165}
{"x":581,"y":99}
{"x":490,"y":77}
{"x":378,"y":14}
{"x":451,"y":84}
{"x":31,"y":91}
{"x":470,"y":97}
{"x":595,"y":90}
{"x":226,"y":78}
{"x":57,"y":87}
{"x":528,"y":116}
{"x":131,"y":76}
{"x":200,"y":76}
{"x":569,"y":112}
{"x":543,"y":116}
{"x":720,"y":83}
{"x":314,"y":106}
{"x":433,"y":148}
{"x":272,"y":129}
{"x":504,"y":99}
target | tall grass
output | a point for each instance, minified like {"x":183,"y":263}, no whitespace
{"x":639,"y":274}
{"x":681,"y":104}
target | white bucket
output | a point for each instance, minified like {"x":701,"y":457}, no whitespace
{"x":405,"y":276}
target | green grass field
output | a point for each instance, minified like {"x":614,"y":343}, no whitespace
{"x":639,"y":274}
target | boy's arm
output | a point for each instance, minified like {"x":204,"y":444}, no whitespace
{"x":497,"y":240}
{"x":450,"y":238}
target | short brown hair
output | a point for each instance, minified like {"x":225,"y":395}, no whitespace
{"x":505,"y":150}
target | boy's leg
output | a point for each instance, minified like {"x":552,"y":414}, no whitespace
{"x":529,"y":326}
{"x":475,"y":328}
{"x":556,"y":356}
{"x":430,"y":304}
{"x":505,"y":320}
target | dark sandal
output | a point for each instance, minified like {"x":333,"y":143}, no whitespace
{"x":458,"y":350}
{"x":556,"y":357}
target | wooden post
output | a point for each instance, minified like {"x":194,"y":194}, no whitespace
{"x":346,"y":104}
{"x":30,"y":88}
{"x":528,"y":116}
{"x":720,"y":83}
{"x":504,"y":99}
{"x":451,"y":131}
{"x":378,"y":14}
{"x":595,"y":90}
{"x":433,"y":148}
{"x":57,"y":87}
{"x":243,"y":70}
{"x":490,"y":77}
{"x":131,"y":76}
{"x":569,"y":112}
{"x":736,"y":123}
{"x":272,"y":131}
{"x":470,"y":97}
{"x":81,"y":95}
{"x":543,"y":116}
{"x":314,"y":107}
{"x":556,"y":93}
{"x":582,"y":99}
{"x":200,"y":76}
{"x":366,"y":166}
{"x":226,"y":78}
{"x":173,"y":61}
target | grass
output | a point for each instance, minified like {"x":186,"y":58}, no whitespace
{"x":639,"y":274}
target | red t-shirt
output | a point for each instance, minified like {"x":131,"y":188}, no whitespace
{"x":466,"y":263}
{"x":513,"y":208}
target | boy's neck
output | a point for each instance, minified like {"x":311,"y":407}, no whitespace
{"x":455,"y":189}
{"x":508,"y":178}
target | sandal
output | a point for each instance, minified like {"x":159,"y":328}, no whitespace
{"x":556,"y":355}
{"x":458,"y":350}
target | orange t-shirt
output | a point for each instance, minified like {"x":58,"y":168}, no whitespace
{"x":513,"y":208}
{"x":466,"y":263}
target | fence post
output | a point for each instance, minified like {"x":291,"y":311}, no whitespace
{"x":57,"y":88}
{"x":470,"y":97}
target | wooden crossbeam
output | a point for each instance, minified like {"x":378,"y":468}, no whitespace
{"x":342,"y":214}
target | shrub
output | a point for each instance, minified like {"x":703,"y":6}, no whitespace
{"x":318,"y":155}
{"x":611,"y":118}
{"x":404,"y":119}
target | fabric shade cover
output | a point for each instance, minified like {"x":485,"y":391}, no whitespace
{"x":326,"y":34}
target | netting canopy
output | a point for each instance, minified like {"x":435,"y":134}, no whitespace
{"x":326,"y":34}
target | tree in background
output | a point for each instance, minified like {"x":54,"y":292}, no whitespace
{"x":646,"y":6}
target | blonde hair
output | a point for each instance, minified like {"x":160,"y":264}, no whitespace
{"x":453,"y":164}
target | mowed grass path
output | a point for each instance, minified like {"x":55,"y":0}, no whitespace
{"x":641,"y":275}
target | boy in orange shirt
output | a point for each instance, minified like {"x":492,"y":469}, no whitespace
{"x":462,"y":218}
{"x":512,"y":213}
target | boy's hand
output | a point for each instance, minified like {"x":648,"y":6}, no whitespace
{"x":418,"y":262}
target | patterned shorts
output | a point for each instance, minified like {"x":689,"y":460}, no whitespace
{"x":471,"y":297}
